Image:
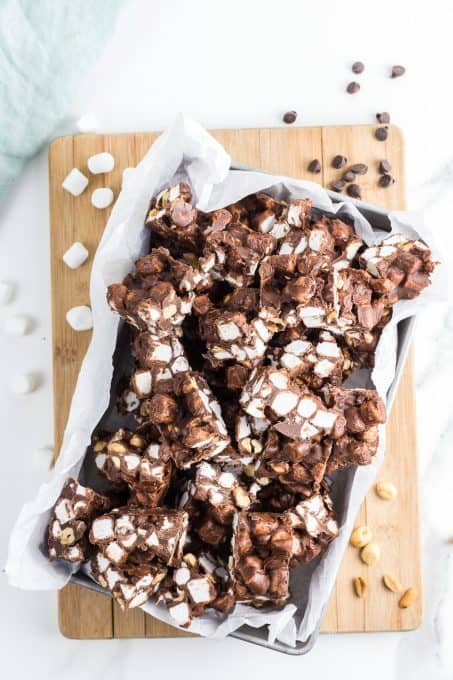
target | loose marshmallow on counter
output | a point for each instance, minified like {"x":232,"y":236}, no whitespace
{"x":6,"y":292}
{"x":102,"y":198}
{"x":80,"y":318}
{"x":17,"y":325}
{"x":23,"y":383}
{"x":88,"y":123}
{"x":75,"y":182}
{"x":101,"y":162}
{"x":75,"y":255}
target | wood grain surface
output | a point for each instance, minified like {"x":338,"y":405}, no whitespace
{"x":84,"y":614}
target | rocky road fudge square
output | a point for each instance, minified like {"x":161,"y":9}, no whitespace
{"x":71,"y":519}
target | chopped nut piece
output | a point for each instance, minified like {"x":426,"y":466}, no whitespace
{"x":386,"y":490}
{"x":360,"y":586}
{"x":408,"y":598}
{"x":361,"y":536}
{"x":370,"y":553}
{"x":392,"y":583}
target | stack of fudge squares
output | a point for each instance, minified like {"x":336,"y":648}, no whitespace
{"x":245,"y":323}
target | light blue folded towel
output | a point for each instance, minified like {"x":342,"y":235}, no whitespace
{"x":46,"y":47}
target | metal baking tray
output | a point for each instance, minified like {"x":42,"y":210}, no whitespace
{"x":379,"y":220}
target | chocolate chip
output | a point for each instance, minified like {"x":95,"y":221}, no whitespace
{"x":348,"y":176}
{"x":314,"y":166}
{"x":339,"y":161}
{"x":397,"y":71}
{"x":359,"y":168}
{"x":383,"y":117}
{"x":381,"y":133}
{"x":354,"y":191}
{"x":353,"y":87}
{"x":290,"y":117}
{"x":386,"y":181}
{"x":358,"y":67}
{"x":338,"y":185}
{"x":384,"y":167}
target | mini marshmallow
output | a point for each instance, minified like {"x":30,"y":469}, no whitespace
{"x":101,"y":162}
{"x":80,"y":318}
{"x":17,"y":325}
{"x":101,"y":198}
{"x":6,"y":292}
{"x":75,"y":182}
{"x":75,"y":255}
{"x":23,"y":383}
{"x":88,"y":123}
{"x":127,"y":175}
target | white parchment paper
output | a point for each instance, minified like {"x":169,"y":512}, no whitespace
{"x":187,"y":151}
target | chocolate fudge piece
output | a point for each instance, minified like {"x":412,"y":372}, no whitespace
{"x":234,"y":254}
{"x":221,"y":490}
{"x":134,"y":583}
{"x":299,"y":466}
{"x":325,"y":243}
{"x":165,"y":357}
{"x":270,"y":216}
{"x":284,"y":288}
{"x":262,"y":549}
{"x":353,"y":302}
{"x":158,"y":531}
{"x":292,"y":408}
{"x":172,"y":220}
{"x":314,"y":362}
{"x":135,"y":459}
{"x":175,"y":222}
{"x":230,"y":337}
{"x":72,"y":515}
{"x":160,"y":360}
{"x":314,"y":527}
{"x":199,"y":582}
{"x":158,"y":295}
{"x":400,"y":267}
{"x":355,"y":440}
{"x":190,"y":420}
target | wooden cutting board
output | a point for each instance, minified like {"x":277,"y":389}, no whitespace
{"x":395,"y":524}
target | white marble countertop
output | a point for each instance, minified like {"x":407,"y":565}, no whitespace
{"x":230,"y":65}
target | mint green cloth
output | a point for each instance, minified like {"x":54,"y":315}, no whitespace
{"x":46,"y":47}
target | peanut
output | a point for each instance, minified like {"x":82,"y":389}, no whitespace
{"x":361,"y":536}
{"x":408,"y":598}
{"x":392,"y":583}
{"x":386,"y":490}
{"x":370,"y":553}
{"x":360,"y":586}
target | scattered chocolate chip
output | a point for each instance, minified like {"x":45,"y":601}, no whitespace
{"x":348,"y":176}
{"x":384,"y":167}
{"x":353,"y":87}
{"x":381,"y":133}
{"x":359,"y":168}
{"x":338,"y":185}
{"x":358,"y":67}
{"x":383,"y":117}
{"x":397,"y":71}
{"x":354,"y":191}
{"x":386,"y":181}
{"x":290,"y":117}
{"x":314,"y":166}
{"x":339,"y":161}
